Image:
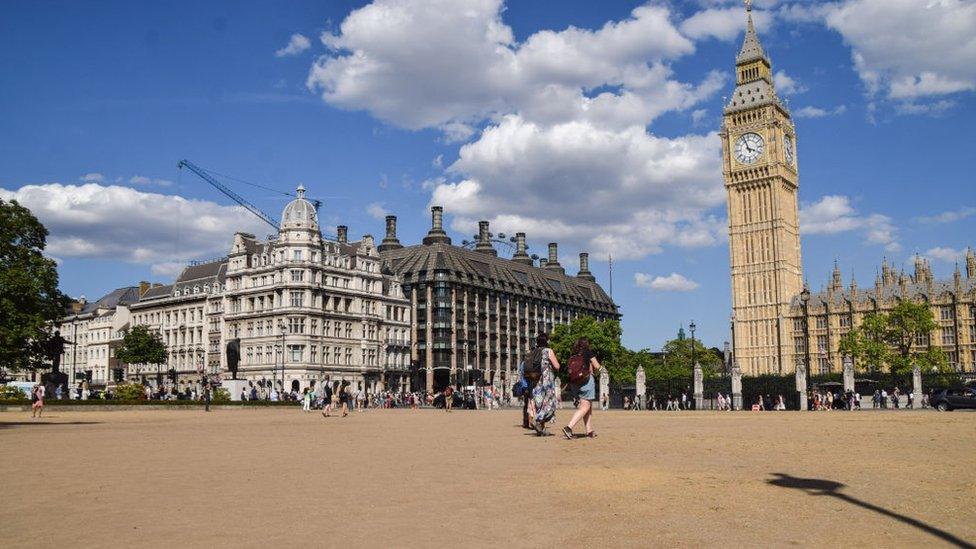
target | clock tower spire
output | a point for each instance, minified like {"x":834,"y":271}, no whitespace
{"x":761,"y":178}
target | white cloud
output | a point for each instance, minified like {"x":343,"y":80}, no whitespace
{"x":93,"y":178}
{"x":627,"y":192}
{"x":555,"y":125}
{"x":377,"y":211}
{"x":834,"y":214}
{"x":949,"y":216}
{"x":122,"y":223}
{"x":143,"y":180}
{"x":168,"y":269}
{"x":947,"y":255}
{"x":909,"y":50}
{"x":449,"y":63}
{"x":722,"y":23}
{"x":817,"y":112}
{"x":296,"y":45}
{"x":671,"y":283}
{"x":698,"y":116}
{"x":786,"y":84}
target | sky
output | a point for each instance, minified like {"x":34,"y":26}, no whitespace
{"x":591,"y":124}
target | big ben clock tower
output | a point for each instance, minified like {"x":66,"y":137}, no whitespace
{"x":760,"y":171}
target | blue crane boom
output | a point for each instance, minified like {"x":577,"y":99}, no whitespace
{"x":224,"y":189}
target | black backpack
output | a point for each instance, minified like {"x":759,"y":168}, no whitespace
{"x":533,"y":365}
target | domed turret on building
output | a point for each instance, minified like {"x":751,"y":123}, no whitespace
{"x":299,"y":213}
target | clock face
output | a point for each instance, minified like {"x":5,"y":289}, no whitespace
{"x":749,"y":148}
{"x":788,"y":149}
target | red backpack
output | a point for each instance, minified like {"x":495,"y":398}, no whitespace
{"x":579,"y":370}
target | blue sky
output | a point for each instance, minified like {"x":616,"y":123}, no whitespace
{"x":588,"y":123}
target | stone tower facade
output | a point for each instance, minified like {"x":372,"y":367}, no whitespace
{"x":760,"y":172}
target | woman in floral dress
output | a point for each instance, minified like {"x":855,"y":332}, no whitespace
{"x":544,"y":392}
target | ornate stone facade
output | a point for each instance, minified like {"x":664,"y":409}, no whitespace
{"x":760,"y":172}
{"x":817,"y":325}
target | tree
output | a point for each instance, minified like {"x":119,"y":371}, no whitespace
{"x":604,"y":338}
{"x":866,"y":344}
{"x":889,"y":339}
{"x":141,"y":346}
{"x":906,"y":322}
{"x":29,"y":297}
{"x":677,"y":357}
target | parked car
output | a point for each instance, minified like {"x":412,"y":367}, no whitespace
{"x":945,"y":400}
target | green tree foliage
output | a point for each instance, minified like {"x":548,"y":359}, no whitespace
{"x":130,"y":391}
{"x":220,"y":396}
{"x":604,"y":338}
{"x":675,"y":360}
{"x":29,"y":297}
{"x":141,"y":346}
{"x":889,"y":339}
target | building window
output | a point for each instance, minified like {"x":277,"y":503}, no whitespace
{"x":822,"y":344}
{"x":296,"y":325}
{"x":948,"y":335}
{"x":845,"y":321}
{"x":297,"y":298}
{"x":823,"y":366}
{"x":798,"y":345}
{"x":297,"y":275}
{"x":922,"y":340}
{"x":821,"y":322}
{"x":945,"y":313}
{"x":297,"y":255}
{"x":295,"y":352}
{"x":314,"y":354}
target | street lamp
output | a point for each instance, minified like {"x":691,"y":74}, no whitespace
{"x":281,"y":330}
{"x":805,"y":298}
{"x":692,"y":328}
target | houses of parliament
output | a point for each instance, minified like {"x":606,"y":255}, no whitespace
{"x":778,"y":324}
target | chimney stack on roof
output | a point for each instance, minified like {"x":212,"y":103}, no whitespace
{"x":542,"y":262}
{"x":584,"y":271}
{"x":521,"y":250}
{"x":436,"y":234}
{"x":484,"y":240}
{"x":553,"y":262}
{"x":342,"y":234}
{"x":391,"y":242}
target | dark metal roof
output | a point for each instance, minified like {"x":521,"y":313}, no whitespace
{"x":119,"y":296}
{"x":496,"y":273}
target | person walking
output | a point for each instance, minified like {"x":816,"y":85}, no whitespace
{"x":326,"y":399}
{"x":344,"y":398}
{"x":37,"y":400}
{"x":543,"y":405}
{"x":306,"y":400}
{"x":448,"y":398}
{"x":583,"y":366}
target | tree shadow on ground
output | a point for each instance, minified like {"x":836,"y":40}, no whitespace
{"x":831,"y":488}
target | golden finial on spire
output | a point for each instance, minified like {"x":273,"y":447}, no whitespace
{"x":748,"y":5}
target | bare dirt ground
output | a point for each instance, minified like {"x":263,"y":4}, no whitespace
{"x":250,"y":478}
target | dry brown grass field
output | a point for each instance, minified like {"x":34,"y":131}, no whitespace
{"x":425,"y":478}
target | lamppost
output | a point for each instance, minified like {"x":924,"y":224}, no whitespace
{"x":692,"y":328}
{"x":281,"y":330}
{"x":805,"y":298}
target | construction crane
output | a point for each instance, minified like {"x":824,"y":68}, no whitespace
{"x":233,"y":196}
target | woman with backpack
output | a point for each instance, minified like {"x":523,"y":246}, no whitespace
{"x":538,"y":371}
{"x":583,"y":367}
